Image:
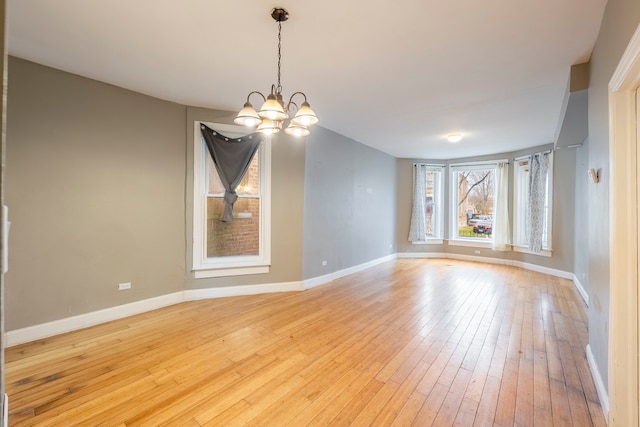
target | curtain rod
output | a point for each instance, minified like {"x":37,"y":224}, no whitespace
{"x":480,"y":163}
{"x":429,"y":164}
{"x":568,"y":146}
{"x":517,"y":159}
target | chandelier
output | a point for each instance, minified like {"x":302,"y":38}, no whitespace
{"x":274,"y":111}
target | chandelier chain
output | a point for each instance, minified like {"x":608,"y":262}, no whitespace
{"x":279,"y":87}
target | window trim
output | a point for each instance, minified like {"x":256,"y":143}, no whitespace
{"x":525,"y":250}
{"x":203,"y":266}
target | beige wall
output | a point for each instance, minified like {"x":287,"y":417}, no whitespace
{"x":95,"y":183}
{"x":100,"y":190}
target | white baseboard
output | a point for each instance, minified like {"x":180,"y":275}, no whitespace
{"x":68,"y":324}
{"x":56,"y":327}
{"x":597,"y":379}
{"x":489,"y":260}
{"x":583,"y":293}
{"x":321,"y":280}
{"x":430,"y":255}
{"x":5,"y":411}
{"x":234,"y":291}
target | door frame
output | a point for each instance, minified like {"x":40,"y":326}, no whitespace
{"x":624,"y":326}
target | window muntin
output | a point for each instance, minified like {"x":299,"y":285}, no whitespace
{"x":243,"y":245}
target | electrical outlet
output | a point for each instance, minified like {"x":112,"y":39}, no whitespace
{"x":324,"y":263}
{"x":123,"y":286}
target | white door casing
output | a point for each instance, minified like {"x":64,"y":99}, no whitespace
{"x":624,"y":322}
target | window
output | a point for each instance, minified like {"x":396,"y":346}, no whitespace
{"x":241,"y":246}
{"x":472,"y":202}
{"x":522,"y":200}
{"x":433,"y":202}
{"x":427,"y":215}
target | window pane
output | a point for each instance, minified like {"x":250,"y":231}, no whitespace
{"x":521,"y":197}
{"x":430,"y":203}
{"x":241,"y":236}
{"x":250,"y":184}
{"x":215,"y":186}
{"x":236,"y":238}
{"x":475,"y":203}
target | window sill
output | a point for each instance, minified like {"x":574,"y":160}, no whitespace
{"x":433,"y":241}
{"x":207,"y":272}
{"x":525,"y":250}
{"x":470,"y":243}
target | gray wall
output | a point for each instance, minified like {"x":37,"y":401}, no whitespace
{"x":563,"y":211}
{"x":620,"y":20}
{"x":581,"y":234}
{"x":94,"y":182}
{"x":349,"y":204}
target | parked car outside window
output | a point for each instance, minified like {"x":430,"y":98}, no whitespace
{"x":483,"y":227}
{"x":476,"y":218}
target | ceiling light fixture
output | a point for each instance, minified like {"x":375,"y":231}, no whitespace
{"x":274,"y":111}
{"x":454,"y":137}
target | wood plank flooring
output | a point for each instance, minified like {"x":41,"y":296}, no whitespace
{"x":409,"y":342}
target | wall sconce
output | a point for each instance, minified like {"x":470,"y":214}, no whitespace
{"x":594,"y":175}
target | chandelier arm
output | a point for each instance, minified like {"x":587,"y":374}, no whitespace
{"x":298,"y":93}
{"x":290,"y":103}
{"x":294,"y":94}
{"x":264,"y":98}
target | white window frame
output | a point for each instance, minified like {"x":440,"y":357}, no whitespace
{"x":204,"y":266}
{"x":438,"y":236}
{"x":454,"y":239}
{"x":519,"y":207}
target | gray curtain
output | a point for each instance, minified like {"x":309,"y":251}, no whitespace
{"x":232,"y":157}
{"x":537,"y":193}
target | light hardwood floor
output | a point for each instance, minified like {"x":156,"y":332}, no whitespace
{"x":409,"y":342}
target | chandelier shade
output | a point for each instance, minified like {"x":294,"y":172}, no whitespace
{"x":305,"y":116}
{"x":269,"y":127}
{"x":297,"y":130}
{"x":248,"y":116}
{"x":274,"y":111}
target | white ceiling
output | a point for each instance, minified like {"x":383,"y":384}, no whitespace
{"x":395,"y":75}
